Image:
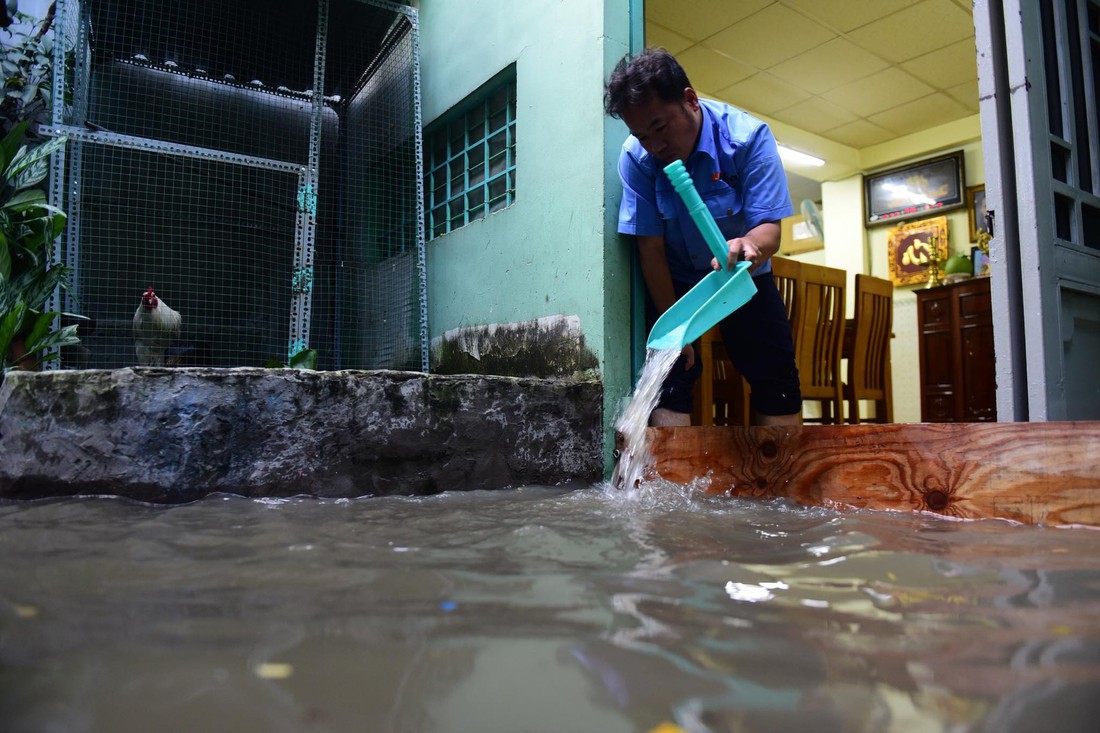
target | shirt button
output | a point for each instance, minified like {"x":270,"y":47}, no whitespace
{"x":729,"y":212}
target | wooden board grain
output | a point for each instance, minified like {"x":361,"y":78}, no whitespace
{"x":1034,"y":473}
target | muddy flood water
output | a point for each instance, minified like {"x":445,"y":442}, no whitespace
{"x":540,"y":609}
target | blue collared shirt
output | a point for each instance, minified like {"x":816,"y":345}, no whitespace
{"x":737,"y":172}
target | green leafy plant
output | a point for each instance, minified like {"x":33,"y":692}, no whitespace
{"x":304,"y":359}
{"x":28,"y":226}
{"x":26,"y":62}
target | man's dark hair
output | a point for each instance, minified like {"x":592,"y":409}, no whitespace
{"x":652,"y":72}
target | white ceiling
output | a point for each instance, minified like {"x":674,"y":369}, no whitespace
{"x":856,"y":72}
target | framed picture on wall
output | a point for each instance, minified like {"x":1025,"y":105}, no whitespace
{"x":913,"y":246}
{"x":975,"y":210}
{"x":914,"y":190}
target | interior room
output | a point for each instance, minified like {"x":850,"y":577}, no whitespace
{"x":861,"y":87}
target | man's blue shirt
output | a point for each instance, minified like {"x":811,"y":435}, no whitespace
{"x":737,"y":172}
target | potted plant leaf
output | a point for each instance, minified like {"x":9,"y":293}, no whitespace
{"x":28,"y":226}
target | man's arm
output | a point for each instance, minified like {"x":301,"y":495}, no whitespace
{"x":756,"y":246}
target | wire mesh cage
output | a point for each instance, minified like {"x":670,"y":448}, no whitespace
{"x":258,"y":165}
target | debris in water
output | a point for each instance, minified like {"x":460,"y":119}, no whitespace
{"x":274,"y":671}
{"x":667,"y":727}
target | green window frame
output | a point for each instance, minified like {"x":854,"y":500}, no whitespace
{"x":470,"y":157}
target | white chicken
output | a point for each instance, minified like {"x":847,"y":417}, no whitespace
{"x":156,"y":326}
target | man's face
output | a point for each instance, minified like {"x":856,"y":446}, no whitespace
{"x":667,"y":130}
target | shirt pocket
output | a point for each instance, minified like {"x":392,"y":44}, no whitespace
{"x":724,"y":203}
{"x":722,"y":200}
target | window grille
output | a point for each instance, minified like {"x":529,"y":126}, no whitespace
{"x":471,"y":157}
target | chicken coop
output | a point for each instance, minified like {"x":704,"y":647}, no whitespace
{"x":258,"y":164}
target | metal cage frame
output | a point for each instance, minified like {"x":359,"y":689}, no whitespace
{"x":65,"y":186}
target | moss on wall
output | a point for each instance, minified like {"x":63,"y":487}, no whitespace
{"x":548,"y":347}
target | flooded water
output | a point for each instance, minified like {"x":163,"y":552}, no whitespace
{"x":540,"y":609}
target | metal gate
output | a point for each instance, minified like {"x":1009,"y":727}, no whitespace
{"x":258,"y":164}
{"x":1039,"y":85}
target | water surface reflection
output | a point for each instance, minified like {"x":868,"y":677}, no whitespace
{"x":540,"y":609}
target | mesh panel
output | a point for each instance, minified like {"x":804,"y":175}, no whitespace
{"x":214,"y":240}
{"x":201,"y":162}
{"x":370,"y":275}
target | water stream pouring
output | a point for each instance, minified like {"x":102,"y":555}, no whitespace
{"x":717,"y":295}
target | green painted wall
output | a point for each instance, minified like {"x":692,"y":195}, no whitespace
{"x":555,"y":250}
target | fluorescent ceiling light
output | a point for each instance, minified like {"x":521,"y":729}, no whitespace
{"x":797,"y":157}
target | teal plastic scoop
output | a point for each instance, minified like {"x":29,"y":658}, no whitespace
{"x":717,"y":295}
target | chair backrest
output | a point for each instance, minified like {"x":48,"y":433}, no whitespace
{"x":787,"y":274}
{"x":722,"y":391}
{"x":731,"y":392}
{"x":821,"y":335}
{"x":869,"y":362}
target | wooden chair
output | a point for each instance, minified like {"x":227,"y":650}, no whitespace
{"x":869,"y":359}
{"x":820,"y":340}
{"x":787,"y":274}
{"x":722,"y":394}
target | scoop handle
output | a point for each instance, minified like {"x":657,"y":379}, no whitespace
{"x":699,"y":212}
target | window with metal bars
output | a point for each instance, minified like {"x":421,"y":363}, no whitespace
{"x":470,"y":157}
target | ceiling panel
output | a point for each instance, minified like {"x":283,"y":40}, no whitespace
{"x":860,"y":134}
{"x":966,"y":94}
{"x":769,"y":37}
{"x":700,"y":19}
{"x":879,"y":91}
{"x":847,"y":15}
{"x":764,"y":93}
{"x":710,"y":71}
{"x":916,"y":30}
{"x":948,"y":66}
{"x":858,"y":72}
{"x":657,"y":35}
{"x":815,"y":115}
{"x":832,"y":64}
{"x":920,"y":114}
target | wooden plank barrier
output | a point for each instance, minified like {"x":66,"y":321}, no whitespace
{"x":1035,"y":473}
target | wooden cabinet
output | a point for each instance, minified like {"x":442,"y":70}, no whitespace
{"x":955,"y":328}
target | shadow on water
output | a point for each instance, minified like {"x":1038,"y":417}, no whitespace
{"x":540,"y":609}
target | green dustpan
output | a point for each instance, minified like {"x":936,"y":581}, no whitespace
{"x":717,"y":295}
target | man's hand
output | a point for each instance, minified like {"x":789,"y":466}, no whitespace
{"x":743,"y":248}
{"x":758,"y":244}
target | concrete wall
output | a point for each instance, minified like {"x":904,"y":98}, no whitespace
{"x":175,"y":435}
{"x":554,"y":252}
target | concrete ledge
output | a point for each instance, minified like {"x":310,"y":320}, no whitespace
{"x":174,"y":435}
